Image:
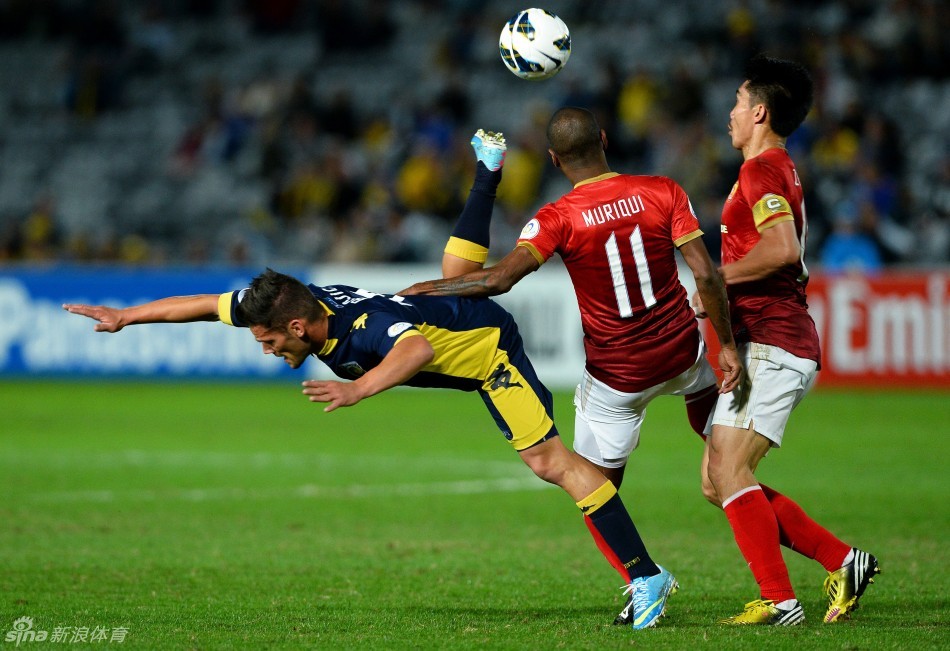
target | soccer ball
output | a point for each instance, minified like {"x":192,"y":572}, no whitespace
{"x":535,"y":44}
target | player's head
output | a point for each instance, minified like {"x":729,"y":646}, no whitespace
{"x":785,"y":89}
{"x":278,"y":309}
{"x":575,"y":140}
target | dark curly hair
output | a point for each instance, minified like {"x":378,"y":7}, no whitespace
{"x":786,"y":89}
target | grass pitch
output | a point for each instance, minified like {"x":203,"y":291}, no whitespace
{"x":240,"y":516}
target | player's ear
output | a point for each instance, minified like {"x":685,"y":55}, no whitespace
{"x":554,"y":158}
{"x":759,"y":113}
{"x":297,"y":328}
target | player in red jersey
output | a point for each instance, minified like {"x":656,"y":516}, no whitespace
{"x":763,"y":246}
{"x":617,"y":235}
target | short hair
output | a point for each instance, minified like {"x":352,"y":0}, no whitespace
{"x":786,"y":89}
{"x":274,"y":299}
{"x":574,"y":136}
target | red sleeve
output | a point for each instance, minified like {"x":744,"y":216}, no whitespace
{"x":544,"y":234}
{"x":685,"y":223}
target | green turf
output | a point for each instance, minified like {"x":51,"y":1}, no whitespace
{"x":240,"y":516}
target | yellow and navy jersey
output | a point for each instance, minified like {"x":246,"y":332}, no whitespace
{"x":364,"y":326}
{"x":476,"y":342}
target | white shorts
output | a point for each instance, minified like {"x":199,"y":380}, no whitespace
{"x":607,"y":422}
{"x":779,"y":382}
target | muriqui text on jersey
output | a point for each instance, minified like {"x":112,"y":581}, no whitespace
{"x":614,"y":210}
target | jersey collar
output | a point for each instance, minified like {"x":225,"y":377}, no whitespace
{"x":594,"y":179}
{"x":330,"y":344}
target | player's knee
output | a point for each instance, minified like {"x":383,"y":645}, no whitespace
{"x":717,"y":472}
{"x":547,"y":463}
{"x":553,"y":473}
{"x":710,"y":492}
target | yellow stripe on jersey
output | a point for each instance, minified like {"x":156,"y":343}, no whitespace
{"x":464,"y":354}
{"x":466,"y":250}
{"x":531,"y":248}
{"x":517,"y":402}
{"x":771,"y":210}
{"x":597,"y":499}
{"x":688,"y":238}
{"x":224,"y":308}
{"x":328,"y":347}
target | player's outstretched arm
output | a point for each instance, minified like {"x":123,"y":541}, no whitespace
{"x":175,"y":309}
{"x":406,"y":358}
{"x":489,"y":281}
{"x":712,"y":303}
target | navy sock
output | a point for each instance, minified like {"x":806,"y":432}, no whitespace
{"x":474,"y":223}
{"x":618,"y":531}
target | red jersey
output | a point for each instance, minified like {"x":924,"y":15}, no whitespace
{"x":773,"y":310}
{"x":617,"y":235}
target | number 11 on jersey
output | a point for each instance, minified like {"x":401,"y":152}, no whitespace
{"x":616,"y":272}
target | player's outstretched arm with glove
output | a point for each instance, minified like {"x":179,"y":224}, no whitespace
{"x":174,"y":309}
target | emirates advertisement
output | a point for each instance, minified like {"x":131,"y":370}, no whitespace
{"x":891,"y":330}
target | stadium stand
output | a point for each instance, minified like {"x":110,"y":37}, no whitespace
{"x":292,"y":132}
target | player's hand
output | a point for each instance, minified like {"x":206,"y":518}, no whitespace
{"x":337,"y":394}
{"x":732,"y":370}
{"x":698,"y":306}
{"x":109,"y":318}
{"x":740,"y":395}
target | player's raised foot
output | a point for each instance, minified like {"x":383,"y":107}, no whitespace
{"x":845,"y":586}
{"x":764,"y":612}
{"x":648,"y":595}
{"x":490,"y":148}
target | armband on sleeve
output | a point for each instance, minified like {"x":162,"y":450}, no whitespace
{"x":770,"y":210}
{"x":227,"y":304}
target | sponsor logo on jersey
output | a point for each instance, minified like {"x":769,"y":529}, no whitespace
{"x":501,"y":378}
{"x":530,"y":230}
{"x":360,"y":322}
{"x":735,"y":186}
{"x":398,"y":328}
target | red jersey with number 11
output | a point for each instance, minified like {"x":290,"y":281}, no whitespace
{"x":617,"y":235}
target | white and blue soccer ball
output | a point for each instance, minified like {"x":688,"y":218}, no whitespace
{"x":535,"y":44}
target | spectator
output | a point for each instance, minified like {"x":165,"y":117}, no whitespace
{"x":849,"y":248}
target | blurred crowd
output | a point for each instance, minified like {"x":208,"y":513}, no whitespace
{"x":253,"y":132}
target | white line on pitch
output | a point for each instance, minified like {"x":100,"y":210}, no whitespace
{"x":306,"y":491}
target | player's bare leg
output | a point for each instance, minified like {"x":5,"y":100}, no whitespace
{"x":617,"y":537}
